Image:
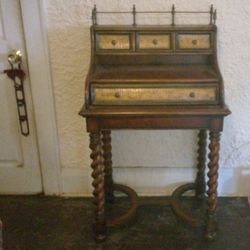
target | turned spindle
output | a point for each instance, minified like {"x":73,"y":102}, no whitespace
{"x":107,"y":155}
{"x":212,"y":184}
{"x":200,"y":185}
{"x":99,"y":225}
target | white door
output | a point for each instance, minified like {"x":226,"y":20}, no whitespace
{"x":19,"y":160}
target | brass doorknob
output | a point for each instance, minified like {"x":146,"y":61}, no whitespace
{"x":15,"y":57}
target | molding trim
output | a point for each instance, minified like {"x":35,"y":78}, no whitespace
{"x":42,"y":93}
{"x":232,"y":181}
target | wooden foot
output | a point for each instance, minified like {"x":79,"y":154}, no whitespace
{"x":107,"y":155}
{"x":99,"y":225}
{"x":200,"y":188}
{"x":214,"y":146}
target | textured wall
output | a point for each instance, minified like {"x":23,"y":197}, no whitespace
{"x":68,"y":27}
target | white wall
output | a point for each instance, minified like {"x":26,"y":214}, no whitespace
{"x":168,"y":157}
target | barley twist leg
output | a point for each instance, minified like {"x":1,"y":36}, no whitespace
{"x":107,"y":155}
{"x":200,"y":187}
{"x":212,"y":183}
{"x":99,"y":225}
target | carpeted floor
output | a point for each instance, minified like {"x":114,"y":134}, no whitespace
{"x":34,"y":223}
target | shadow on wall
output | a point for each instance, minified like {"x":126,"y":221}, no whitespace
{"x":70,"y":56}
{"x":237,"y":179}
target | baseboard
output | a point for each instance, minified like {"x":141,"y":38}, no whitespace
{"x":155,"y":181}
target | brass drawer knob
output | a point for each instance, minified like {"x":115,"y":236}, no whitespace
{"x":117,"y":94}
{"x":192,"y":94}
{"x":155,"y":42}
{"x":113,"y":42}
{"x":194,"y":42}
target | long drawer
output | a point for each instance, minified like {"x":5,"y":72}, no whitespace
{"x":153,"y":94}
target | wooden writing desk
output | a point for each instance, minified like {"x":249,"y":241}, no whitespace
{"x":153,"y":77}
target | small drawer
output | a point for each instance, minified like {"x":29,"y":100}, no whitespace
{"x":153,"y":41}
{"x":193,"y":41}
{"x":113,"y":41}
{"x":157,"y":95}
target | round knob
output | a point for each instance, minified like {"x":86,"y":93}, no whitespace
{"x":117,"y":94}
{"x":194,"y":42}
{"x":15,"y":57}
{"x":192,"y":94}
{"x":155,"y":42}
{"x":113,"y":42}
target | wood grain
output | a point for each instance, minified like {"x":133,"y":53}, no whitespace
{"x":153,"y":41}
{"x":193,"y":41}
{"x":115,"y":41}
{"x":153,"y":95}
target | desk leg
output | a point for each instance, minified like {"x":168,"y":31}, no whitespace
{"x":200,"y":185}
{"x":107,"y":155}
{"x":212,"y":183}
{"x":99,"y":225}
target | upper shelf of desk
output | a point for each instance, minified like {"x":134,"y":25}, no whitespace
{"x":136,"y":38}
{"x":153,"y":65}
{"x":146,"y":39}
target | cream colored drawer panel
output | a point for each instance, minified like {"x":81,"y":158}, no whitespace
{"x":193,"y":41}
{"x":113,"y":41}
{"x":153,"y":96}
{"x":151,"y":41}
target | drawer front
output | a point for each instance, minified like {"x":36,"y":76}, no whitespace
{"x":113,"y":41}
{"x":135,"y":95}
{"x":193,"y":41}
{"x":153,"y":41}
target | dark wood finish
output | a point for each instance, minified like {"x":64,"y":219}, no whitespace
{"x":200,"y":189}
{"x":180,"y":211}
{"x":130,"y":214}
{"x":212,"y":183}
{"x":107,"y":155}
{"x":188,"y":59}
{"x":145,"y":122}
{"x":99,"y":225}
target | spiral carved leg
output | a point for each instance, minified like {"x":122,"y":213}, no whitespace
{"x":99,"y":225}
{"x":107,"y":155}
{"x":212,"y":183}
{"x":200,"y":188}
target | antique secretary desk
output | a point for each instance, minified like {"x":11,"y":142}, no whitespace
{"x":154,"y":77}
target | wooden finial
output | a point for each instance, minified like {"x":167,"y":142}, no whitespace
{"x":173,"y":14}
{"x":211,"y":14}
{"x":134,"y":15}
{"x":94,"y":17}
{"x":215,"y":16}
